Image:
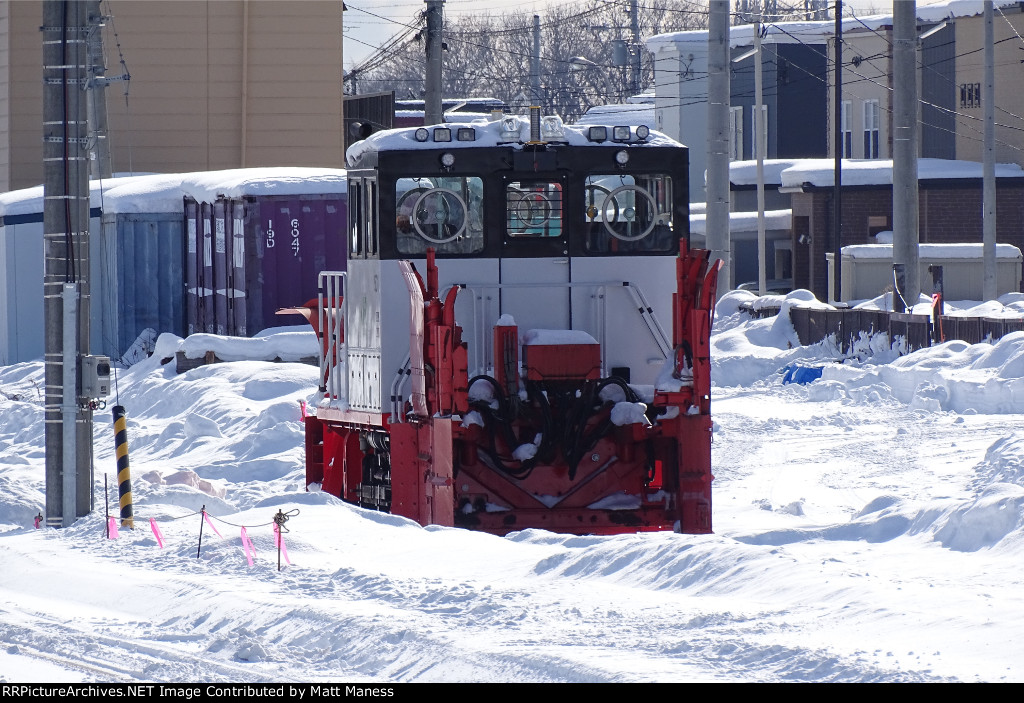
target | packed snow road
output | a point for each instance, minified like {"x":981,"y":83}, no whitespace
{"x":867,"y":528}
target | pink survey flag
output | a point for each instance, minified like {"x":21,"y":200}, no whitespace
{"x":156,"y":532}
{"x":250,"y":548}
{"x":206,"y":516}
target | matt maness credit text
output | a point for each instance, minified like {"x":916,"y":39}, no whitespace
{"x":190,"y":692}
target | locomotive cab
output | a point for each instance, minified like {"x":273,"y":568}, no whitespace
{"x":520,"y":338}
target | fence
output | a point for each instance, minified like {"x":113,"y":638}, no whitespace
{"x":813,"y":325}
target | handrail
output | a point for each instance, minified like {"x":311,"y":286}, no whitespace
{"x":331,"y":287}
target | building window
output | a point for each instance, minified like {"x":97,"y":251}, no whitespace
{"x":735,"y":133}
{"x":970,"y":95}
{"x":753,"y":131}
{"x":846,"y":129}
{"x":871,"y":129}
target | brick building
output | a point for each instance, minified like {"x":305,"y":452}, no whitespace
{"x":949,"y":198}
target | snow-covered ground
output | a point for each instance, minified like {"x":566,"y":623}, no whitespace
{"x":868,"y":527}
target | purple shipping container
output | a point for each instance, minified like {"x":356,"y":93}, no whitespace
{"x":289,"y":240}
{"x":193,"y":266}
{"x":251,"y":256}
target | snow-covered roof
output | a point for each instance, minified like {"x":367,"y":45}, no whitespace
{"x":821,"y":173}
{"x":817,"y":31}
{"x":488,"y":134}
{"x":619,"y":113}
{"x":932,"y":251}
{"x":745,"y":172}
{"x":745,"y":221}
{"x":164,"y":192}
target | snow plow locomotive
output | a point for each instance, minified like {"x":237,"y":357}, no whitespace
{"x":495,"y":357}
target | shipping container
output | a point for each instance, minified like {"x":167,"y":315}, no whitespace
{"x":140,"y":260}
{"x":21,"y":286}
{"x":249,"y":256}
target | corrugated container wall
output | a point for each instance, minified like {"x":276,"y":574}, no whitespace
{"x":140,"y":255}
{"x":21,"y":305}
{"x":248,"y":257}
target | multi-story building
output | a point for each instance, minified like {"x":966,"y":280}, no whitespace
{"x":214,"y":85}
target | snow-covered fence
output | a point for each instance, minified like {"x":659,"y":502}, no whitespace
{"x":850,"y":325}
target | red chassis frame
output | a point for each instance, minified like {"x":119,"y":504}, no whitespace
{"x":641,"y":476}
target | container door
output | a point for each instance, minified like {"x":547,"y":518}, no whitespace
{"x":221,"y":264}
{"x":207,"y":310}
{"x":236,"y":270}
{"x":193,"y":266}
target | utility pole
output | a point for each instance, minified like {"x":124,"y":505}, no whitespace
{"x":988,"y":222}
{"x":759,"y":154}
{"x":100,"y":165}
{"x":535,"y":62}
{"x":432,"y":113}
{"x":634,"y":56}
{"x":837,"y":166}
{"x":904,"y":151}
{"x":717,"y":223}
{"x":68,"y":427}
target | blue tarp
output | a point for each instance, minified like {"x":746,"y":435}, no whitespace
{"x":802,"y":374}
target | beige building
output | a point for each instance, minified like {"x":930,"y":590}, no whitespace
{"x":1007,"y":30}
{"x":950,"y":77}
{"x":215,"y":84}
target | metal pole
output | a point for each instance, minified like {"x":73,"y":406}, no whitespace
{"x":837,"y":168}
{"x":988,"y":100}
{"x":718,"y":239}
{"x":904,"y":147}
{"x":759,"y":149}
{"x":100,"y":166}
{"x":69,"y":406}
{"x":432,"y":113}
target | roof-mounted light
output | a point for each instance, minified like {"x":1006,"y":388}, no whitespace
{"x":552,"y":129}
{"x":597,"y":134}
{"x":620,"y":133}
{"x":466,"y":134}
{"x":442,"y":134}
{"x":422,"y":134}
{"x":510,"y":129}
{"x":643,"y":131}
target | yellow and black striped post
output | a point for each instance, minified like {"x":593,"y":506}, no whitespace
{"x":124,"y":478}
